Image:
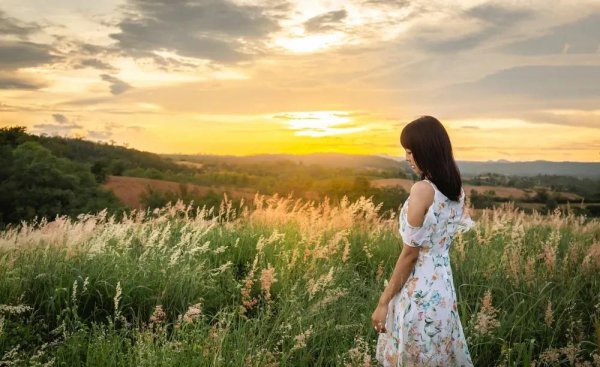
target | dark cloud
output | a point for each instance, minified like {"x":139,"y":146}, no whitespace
{"x":60,"y":118}
{"x":579,"y":119}
{"x":465,"y":42}
{"x":91,"y":49}
{"x":497,"y":14}
{"x":117,"y":86}
{"x":21,"y":54}
{"x":515,"y":92}
{"x":390,"y":3}
{"x":581,"y":36}
{"x":18,"y":82}
{"x":211,"y":29}
{"x":15,"y":55}
{"x":83,"y":55}
{"x":14,"y":27}
{"x":537,"y":81}
{"x":325,"y":22}
{"x":94,"y":63}
{"x":494,"y":18}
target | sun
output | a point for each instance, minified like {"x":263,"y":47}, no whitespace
{"x":310,"y":43}
{"x":320,"y":123}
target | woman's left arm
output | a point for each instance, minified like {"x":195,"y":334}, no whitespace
{"x":404,"y":266}
{"x":421,"y":197}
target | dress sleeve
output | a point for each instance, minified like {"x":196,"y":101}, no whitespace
{"x":416,"y":236}
{"x":465,"y":222}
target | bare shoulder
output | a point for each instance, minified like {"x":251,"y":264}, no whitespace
{"x":422,"y":192}
{"x":420,"y":199}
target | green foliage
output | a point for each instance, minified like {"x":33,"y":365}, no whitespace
{"x":36,"y":183}
{"x":154,"y":199}
{"x":100,"y":170}
{"x":588,"y":188}
{"x":483,"y":200}
{"x":551,"y":204}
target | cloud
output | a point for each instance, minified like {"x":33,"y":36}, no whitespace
{"x":135,"y":128}
{"x":325,"y":22}
{"x":117,"y":86}
{"x":575,"y":118}
{"x":19,"y":82}
{"x":109,"y":131}
{"x":94,"y":63}
{"x":390,"y":3}
{"x":580,"y":36}
{"x":566,"y":82}
{"x":21,"y":54}
{"x":17,"y":52}
{"x":99,"y":135}
{"x":491,"y":20}
{"x":497,"y":14}
{"x":460,"y":43}
{"x":320,"y":123}
{"x":14,"y":27}
{"x":56,"y":129}
{"x":220,"y":31}
{"x":59,"y":118}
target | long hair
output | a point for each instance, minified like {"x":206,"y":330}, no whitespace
{"x":430,"y":144}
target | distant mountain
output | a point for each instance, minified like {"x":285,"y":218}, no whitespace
{"x":532,"y":168}
{"x":337,"y":160}
{"x":382,"y":161}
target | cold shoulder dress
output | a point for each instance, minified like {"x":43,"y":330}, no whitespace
{"x":423,"y":327}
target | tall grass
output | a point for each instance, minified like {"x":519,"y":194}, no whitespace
{"x":281,"y":282}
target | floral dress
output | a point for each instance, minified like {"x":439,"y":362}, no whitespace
{"x":423,"y":327}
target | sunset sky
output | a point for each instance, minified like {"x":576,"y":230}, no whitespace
{"x":516,"y":80}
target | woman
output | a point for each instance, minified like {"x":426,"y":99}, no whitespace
{"x":417,"y":315}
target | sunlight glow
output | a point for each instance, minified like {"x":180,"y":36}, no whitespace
{"x":311,"y":43}
{"x":320,"y":123}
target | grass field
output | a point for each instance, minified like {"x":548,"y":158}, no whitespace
{"x":279,"y":282}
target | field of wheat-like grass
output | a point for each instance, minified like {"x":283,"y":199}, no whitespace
{"x":282,"y":282}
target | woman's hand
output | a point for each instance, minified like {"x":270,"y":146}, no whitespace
{"x":378,"y":318}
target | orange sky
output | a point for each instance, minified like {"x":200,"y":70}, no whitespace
{"x":508,"y":80}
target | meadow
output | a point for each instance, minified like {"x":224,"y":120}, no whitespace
{"x":284,"y":282}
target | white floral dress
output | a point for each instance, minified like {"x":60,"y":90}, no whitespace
{"x":423,"y":327}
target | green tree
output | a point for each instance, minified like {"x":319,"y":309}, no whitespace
{"x":100,"y":171}
{"x":37,"y":183}
{"x":551,"y":203}
{"x":361,"y":184}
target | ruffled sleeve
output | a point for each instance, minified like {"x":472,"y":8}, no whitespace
{"x":416,"y":236}
{"x":465,"y":222}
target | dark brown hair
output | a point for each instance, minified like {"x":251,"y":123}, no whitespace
{"x":430,"y":144}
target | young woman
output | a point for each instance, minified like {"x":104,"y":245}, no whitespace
{"x":417,"y":316}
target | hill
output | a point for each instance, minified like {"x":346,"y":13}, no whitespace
{"x":386,"y":162}
{"x":43,"y":176}
{"x":334,"y":160}
{"x":49,"y":176}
